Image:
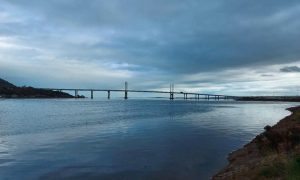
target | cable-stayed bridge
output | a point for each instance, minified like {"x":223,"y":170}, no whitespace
{"x":172,"y":93}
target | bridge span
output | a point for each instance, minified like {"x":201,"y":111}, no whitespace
{"x":172,"y":93}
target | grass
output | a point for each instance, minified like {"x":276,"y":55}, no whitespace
{"x":275,"y":170}
{"x":293,"y":169}
{"x":280,"y":169}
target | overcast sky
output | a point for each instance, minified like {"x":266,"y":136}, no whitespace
{"x":236,"y":47}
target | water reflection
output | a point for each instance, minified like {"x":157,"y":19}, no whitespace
{"x":136,"y":139}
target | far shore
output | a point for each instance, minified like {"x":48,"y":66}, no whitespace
{"x":274,"y":154}
{"x":9,"y":90}
{"x":32,"y":93}
{"x":269,"y":98}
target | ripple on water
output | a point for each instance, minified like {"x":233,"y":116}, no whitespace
{"x":135,"y":139}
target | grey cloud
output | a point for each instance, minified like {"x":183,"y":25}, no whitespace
{"x":290,"y":69}
{"x":171,"y":38}
{"x":267,"y":75}
{"x":175,"y":36}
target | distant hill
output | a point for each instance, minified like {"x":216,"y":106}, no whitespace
{"x":8,"y":90}
{"x":7,"y":84}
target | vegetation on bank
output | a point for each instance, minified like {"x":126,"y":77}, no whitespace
{"x":281,"y":168}
{"x":274,"y":154}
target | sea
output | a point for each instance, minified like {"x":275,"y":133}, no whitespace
{"x":134,"y":139}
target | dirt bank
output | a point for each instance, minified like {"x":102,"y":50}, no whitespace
{"x":274,"y":154}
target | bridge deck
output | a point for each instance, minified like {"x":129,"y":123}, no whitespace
{"x":136,"y":91}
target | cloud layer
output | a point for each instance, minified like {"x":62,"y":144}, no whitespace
{"x":195,"y":44}
{"x":290,"y":69}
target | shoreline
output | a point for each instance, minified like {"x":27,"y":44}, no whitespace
{"x":269,"y":98}
{"x":258,"y":159}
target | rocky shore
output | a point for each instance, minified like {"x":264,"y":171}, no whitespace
{"x":274,"y":154}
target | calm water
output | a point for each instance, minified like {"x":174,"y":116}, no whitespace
{"x":117,"y":139}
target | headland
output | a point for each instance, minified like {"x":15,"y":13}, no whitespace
{"x":9,"y":90}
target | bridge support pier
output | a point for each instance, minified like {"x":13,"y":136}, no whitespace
{"x":108,"y":94}
{"x":126,"y":95}
{"x":92,"y":94}
{"x":171,"y":96}
{"x":76,"y":93}
{"x":185,"y":96}
{"x":126,"y":91}
{"x":171,"y":91}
